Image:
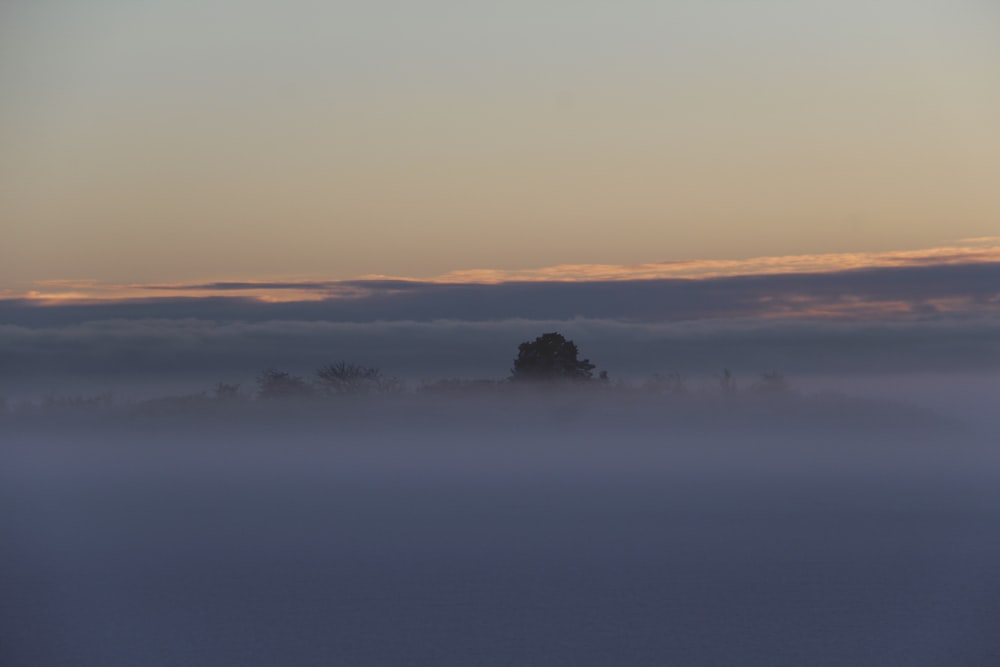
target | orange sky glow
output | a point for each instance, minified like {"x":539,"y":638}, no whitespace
{"x":311,"y":288}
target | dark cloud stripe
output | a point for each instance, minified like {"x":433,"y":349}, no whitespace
{"x":972,"y":287}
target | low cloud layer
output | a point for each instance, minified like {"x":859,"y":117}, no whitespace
{"x":966,"y":251}
{"x":883,"y":293}
{"x":940,"y":318}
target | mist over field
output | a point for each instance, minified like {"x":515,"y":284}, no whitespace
{"x":489,"y":524}
{"x":758,"y":470}
{"x":185,"y":491}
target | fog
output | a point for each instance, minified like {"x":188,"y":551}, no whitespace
{"x":479,"y":525}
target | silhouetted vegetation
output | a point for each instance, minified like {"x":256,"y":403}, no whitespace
{"x":347,"y":378}
{"x":550,"y":357}
{"x":273,"y":383}
{"x":549,"y":363}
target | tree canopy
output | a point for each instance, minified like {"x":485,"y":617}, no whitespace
{"x":550,"y":357}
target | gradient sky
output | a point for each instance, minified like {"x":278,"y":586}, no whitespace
{"x":230,"y":139}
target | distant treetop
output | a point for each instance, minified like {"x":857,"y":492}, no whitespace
{"x":273,"y":383}
{"x":550,"y":357}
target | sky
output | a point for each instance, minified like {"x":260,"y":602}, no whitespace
{"x":217,"y":140}
{"x":219,"y":186}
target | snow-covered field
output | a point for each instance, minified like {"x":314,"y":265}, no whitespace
{"x":562,"y":537}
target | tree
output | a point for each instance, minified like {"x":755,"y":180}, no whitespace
{"x":278,"y":384}
{"x":550,"y":357}
{"x":345,"y":378}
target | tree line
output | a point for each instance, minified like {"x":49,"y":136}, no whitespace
{"x":548,"y":359}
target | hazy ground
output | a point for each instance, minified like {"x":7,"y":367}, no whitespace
{"x":574,"y":530}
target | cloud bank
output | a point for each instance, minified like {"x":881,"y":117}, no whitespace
{"x":966,"y":251}
{"x":880,"y":293}
{"x":914,"y":318}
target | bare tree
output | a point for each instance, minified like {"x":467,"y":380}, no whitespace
{"x":347,"y":378}
{"x":273,"y":383}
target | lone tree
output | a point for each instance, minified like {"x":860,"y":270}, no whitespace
{"x":550,"y":357}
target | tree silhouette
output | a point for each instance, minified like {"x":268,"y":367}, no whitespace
{"x":346,"y":378}
{"x":550,"y":357}
{"x":273,"y":383}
